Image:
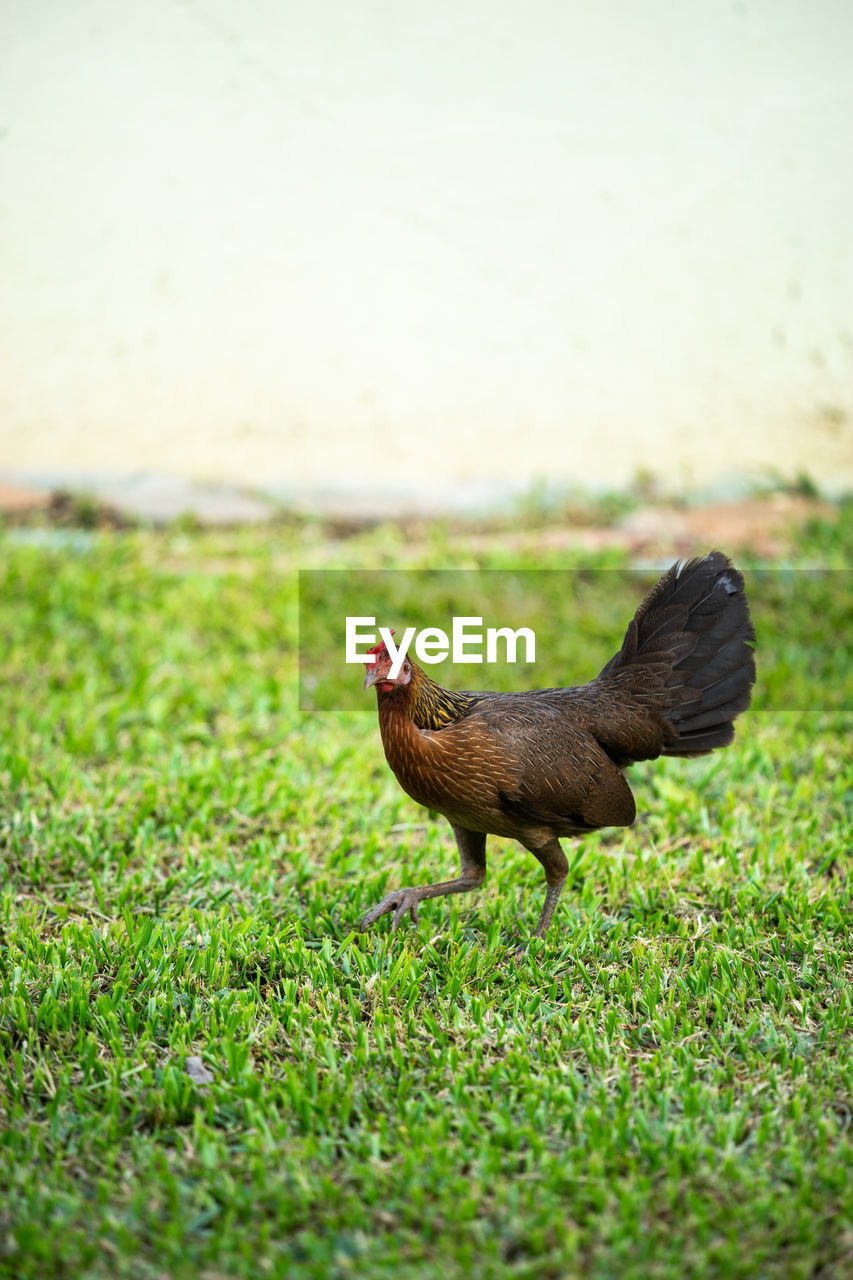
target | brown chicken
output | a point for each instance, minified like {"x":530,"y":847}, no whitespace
{"x":549,"y":763}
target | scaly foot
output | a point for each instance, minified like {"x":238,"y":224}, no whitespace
{"x":400,"y":901}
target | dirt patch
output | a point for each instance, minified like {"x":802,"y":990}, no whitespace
{"x":764,"y":526}
{"x":19,"y":502}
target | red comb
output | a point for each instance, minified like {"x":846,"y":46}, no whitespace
{"x":381,"y":647}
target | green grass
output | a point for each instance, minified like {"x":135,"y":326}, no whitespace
{"x":661,"y":1089}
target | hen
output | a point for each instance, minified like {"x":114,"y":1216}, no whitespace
{"x":549,"y":763}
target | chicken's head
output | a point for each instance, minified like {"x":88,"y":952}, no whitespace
{"x":379,"y":671}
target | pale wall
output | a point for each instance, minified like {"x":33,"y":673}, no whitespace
{"x":390,"y":245}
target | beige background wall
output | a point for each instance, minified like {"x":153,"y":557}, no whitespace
{"x":427,"y":246}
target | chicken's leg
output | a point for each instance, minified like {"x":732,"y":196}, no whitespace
{"x":556,"y":869}
{"x":472,"y":873}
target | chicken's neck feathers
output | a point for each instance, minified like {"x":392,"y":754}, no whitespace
{"x":427,"y":704}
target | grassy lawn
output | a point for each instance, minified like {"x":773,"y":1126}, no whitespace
{"x":205,"y":1071}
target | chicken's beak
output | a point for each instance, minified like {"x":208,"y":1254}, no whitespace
{"x":372,"y":675}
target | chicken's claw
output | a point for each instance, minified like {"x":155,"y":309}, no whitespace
{"x":400,"y":901}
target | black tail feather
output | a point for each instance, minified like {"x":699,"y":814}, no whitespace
{"x":712,"y":684}
{"x":686,"y":666}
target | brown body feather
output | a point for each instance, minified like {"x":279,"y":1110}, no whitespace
{"x":539,"y":765}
